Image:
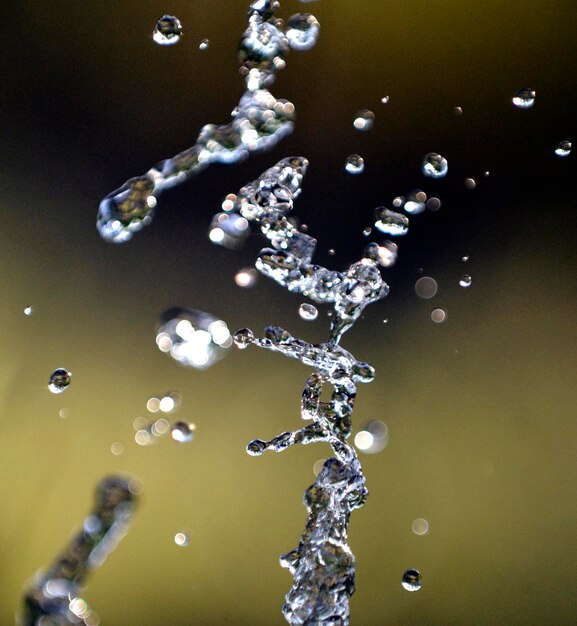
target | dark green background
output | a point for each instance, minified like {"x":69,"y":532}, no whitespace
{"x":481,"y":410}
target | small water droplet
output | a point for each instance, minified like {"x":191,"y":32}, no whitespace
{"x":411,"y":580}
{"x":391,"y":223}
{"x":182,"y":539}
{"x":385,"y":99}
{"x":182,"y":432}
{"x":470,"y":183}
{"x":354,"y":164}
{"x":364,"y":120}
{"x":203,"y":45}
{"x":438,"y":316}
{"x":458,"y":111}
{"x":243,"y":337}
{"x":415,"y":202}
{"x":117,"y":448}
{"x":434,"y":165}
{"x":229,"y":229}
{"x":367,"y":231}
{"x":465,"y":258}
{"x":167,"y":31}
{"x":59,"y":380}
{"x":465,"y":280}
{"x":308,"y":312}
{"x":524,"y":98}
{"x":28,"y":311}
{"x":426,"y":287}
{"x":433,"y":204}
{"x":563,"y":149}
{"x":420,"y":526}
{"x":246,"y":277}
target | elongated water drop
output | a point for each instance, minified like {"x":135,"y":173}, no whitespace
{"x":167,"y":31}
{"x":59,"y":380}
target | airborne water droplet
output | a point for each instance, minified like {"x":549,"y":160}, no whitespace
{"x":563,"y":149}
{"x":167,"y":31}
{"x":229,"y":230}
{"x":438,"y":316}
{"x":308,"y":312}
{"x":426,"y":287}
{"x":391,"y":223}
{"x":203,"y":45}
{"x":182,"y":539}
{"x":302,"y":31}
{"x":465,"y":281}
{"x":182,"y":432}
{"x":385,"y":99}
{"x":411,"y":580}
{"x":28,"y":311}
{"x":524,"y":98}
{"x":246,"y":277}
{"x":470,"y":183}
{"x":59,"y":380}
{"x":434,"y":165}
{"x":243,"y":337}
{"x":420,"y":526}
{"x":354,"y":164}
{"x":364,"y":120}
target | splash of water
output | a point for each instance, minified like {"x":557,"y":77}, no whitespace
{"x":53,"y":596}
{"x":258,"y":123}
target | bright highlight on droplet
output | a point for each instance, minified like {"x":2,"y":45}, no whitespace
{"x":182,"y":432}
{"x":439,"y":316}
{"x":426,"y":287}
{"x":28,"y":311}
{"x":373,"y":438}
{"x":182,"y":539}
{"x":364,"y":440}
{"x":411,"y":580}
{"x":203,"y":45}
{"x":420,"y":526}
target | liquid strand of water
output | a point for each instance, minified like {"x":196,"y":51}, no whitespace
{"x":259,"y":121}
{"x":52,"y":597}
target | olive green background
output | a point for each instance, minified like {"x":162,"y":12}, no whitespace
{"x":481,"y":410}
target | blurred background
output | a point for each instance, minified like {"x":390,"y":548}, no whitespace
{"x":479,"y":409}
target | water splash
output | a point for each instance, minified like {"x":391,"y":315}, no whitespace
{"x":259,"y":121}
{"x":52,"y":597}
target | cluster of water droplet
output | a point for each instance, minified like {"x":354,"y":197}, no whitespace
{"x":258,"y":122}
{"x":53,"y":596}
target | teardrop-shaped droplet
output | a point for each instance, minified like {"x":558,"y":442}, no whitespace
{"x":465,"y":280}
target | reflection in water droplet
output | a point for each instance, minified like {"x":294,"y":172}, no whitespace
{"x":302,"y":31}
{"x":465,"y":280}
{"x":59,"y":380}
{"x":524,"y":98}
{"x":411,"y":580}
{"x":243,"y":337}
{"x":203,"y":45}
{"x":28,"y":311}
{"x":167,"y":31}
{"x":426,"y":287}
{"x":182,"y":539}
{"x":364,"y":120}
{"x":385,"y":255}
{"x":434,"y":165}
{"x":391,"y":223}
{"x":246,"y":277}
{"x":470,"y":183}
{"x":354,"y":164}
{"x":182,"y":432}
{"x":563,"y":149}
{"x":438,"y":316}
{"x":308,"y":312}
{"x":193,"y":338}
{"x":420,"y":526}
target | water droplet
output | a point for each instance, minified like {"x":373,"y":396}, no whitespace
{"x":182,"y":432}
{"x":302,"y":31}
{"x":458,"y":111}
{"x":465,"y":280}
{"x":182,"y":539}
{"x":470,"y":183}
{"x":167,"y":31}
{"x":59,"y":380}
{"x":193,"y":338}
{"x":246,"y":277}
{"x":367,"y":231}
{"x":318,"y":466}
{"x":524,"y":98}
{"x":64,"y":413}
{"x":433,"y":204}
{"x":426,"y":287}
{"x":563,"y":149}
{"x":438,"y":316}
{"x":385,"y":99}
{"x":415,"y":202}
{"x":385,"y":255}
{"x":420,"y":526}
{"x":243,"y":337}
{"x":434,"y":165}
{"x":331,"y":252}
{"x":265,"y":9}
{"x":143,"y":437}
{"x":203,"y":45}
{"x":28,"y":311}
{"x":354,"y":164}
{"x":464,"y":258}
{"x":391,"y":223}
{"x":308,"y":312}
{"x":117,"y":448}
{"x":169,"y":402}
{"x":372,"y":438}
{"x":229,"y":230}
{"x":411,"y":580}
{"x":364,"y":120}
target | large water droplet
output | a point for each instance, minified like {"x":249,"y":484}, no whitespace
{"x":364,"y":120}
{"x":524,"y":98}
{"x":411,"y":580}
{"x":426,"y":287}
{"x":167,"y":31}
{"x":182,"y":432}
{"x":59,"y":380}
{"x":465,"y":280}
{"x":391,"y":223}
{"x":354,"y":164}
{"x":302,"y":31}
{"x":308,"y":312}
{"x":563,"y":149}
{"x":193,"y":338}
{"x":434,"y":165}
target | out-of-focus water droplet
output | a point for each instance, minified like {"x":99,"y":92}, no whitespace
{"x":318,"y":466}
{"x":438,"y":316}
{"x":434,"y":165}
{"x":302,"y":31}
{"x":385,"y":255}
{"x":487,"y":174}
{"x":64,"y":413}
{"x":308,"y":312}
{"x":364,"y":120}
{"x":143,"y":437}
{"x":193,"y":338}
{"x":169,"y":402}
{"x":433,"y":204}
{"x":373,"y":438}
{"x":367,"y":231}
{"x":153,"y":404}
{"x":168,"y":30}
{"x":411,"y":580}
{"x":415,"y":202}
{"x":117,"y":448}
{"x":470,"y":183}
{"x":243,"y":337}
{"x":426,"y":287}
{"x":391,"y":223}
{"x":563,"y":149}
{"x":182,"y":432}
{"x":385,"y":99}
{"x":28,"y":311}
{"x":59,"y":380}
{"x":465,"y":258}
{"x":160,"y":427}
{"x":354,"y":164}
{"x":458,"y":111}
{"x":420,"y":526}
{"x":246,"y":277}
{"x":203,"y":45}
{"x":398,"y":201}
{"x":229,"y":230}
{"x":465,"y":280}
{"x":524,"y":98}
{"x":182,"y":539}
